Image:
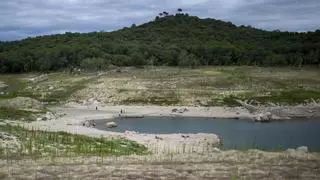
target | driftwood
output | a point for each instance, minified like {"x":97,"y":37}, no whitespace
{"x":314,"y":102}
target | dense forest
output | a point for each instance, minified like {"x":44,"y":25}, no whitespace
{"x":173,"y":40}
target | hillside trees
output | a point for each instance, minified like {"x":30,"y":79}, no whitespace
{"x":173,"y":40}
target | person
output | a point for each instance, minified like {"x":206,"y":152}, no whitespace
{"x":96,"y":107}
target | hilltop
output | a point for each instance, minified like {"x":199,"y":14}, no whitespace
{"x":174,"y":40}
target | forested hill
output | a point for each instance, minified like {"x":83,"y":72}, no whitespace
{"x":176,"y":40}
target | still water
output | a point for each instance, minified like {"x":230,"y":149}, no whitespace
{"x":236,"y":134}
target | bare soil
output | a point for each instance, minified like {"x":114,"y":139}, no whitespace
{"x":250,"y":164}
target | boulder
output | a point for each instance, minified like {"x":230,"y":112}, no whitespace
{"x":303,"y":149}
{"x":86,"y":124}
{"x":263,"y":117}
{"x":174,"y":110}
{"x":111,"y":124}
{"x":47,"y":116}
{"x":290,"y":150}
{"x":216,"y":150}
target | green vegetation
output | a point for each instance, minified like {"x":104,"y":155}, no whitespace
{"x":16,"y":114}
{"x":155,"y":100}
{"x":287,"y":97}
{"x":56,"y":87}
{"x":208,"y":86}
{"x":174,"y":40}
{"x":61,"y":144}
{"x":67,"y":91}
{"x":15,"y":85}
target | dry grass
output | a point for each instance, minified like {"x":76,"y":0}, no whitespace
{"x":224,"y":165}
{"x":204,"y":86}
{"x":172,"y":86}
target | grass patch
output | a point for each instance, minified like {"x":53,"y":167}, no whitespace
{"x":230,"y":101}
{"x":288,"y":97}
{"x":155,"y":100}
{"x":61,"y":144}
{"x":154,"y":97}
{"x":16,"y":114}
{"x":14,"y":88}
{"x":62,"y":95}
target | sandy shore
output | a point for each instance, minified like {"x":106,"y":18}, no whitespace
{"x":73,"y":116}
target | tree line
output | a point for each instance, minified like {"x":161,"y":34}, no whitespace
{"x":172,"y":40}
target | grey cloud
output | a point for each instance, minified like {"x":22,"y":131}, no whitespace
{"x":23,"y":18}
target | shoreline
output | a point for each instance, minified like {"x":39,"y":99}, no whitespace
{"x":72,"y":117}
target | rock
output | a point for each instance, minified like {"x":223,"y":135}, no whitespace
{"x":86,"y":123}
{"x":50,"y":116}
{"x":47,"y":116}
{"x":215,"y":149}
{"x":185,"y":110}
{"x":290,"y":150}
{"x":257,"y":118}
{"x":271,"y":104}
{"x":267,"y":117}
{"x":303,"y":149}
{"x":96,"y":102}
{"x":111,"y":124}
{"x":174,"y":110}
{"x":40,"y":78}
{"x":185,"y":136}
{"x":159,"y":138}
{"x":51,"y":87}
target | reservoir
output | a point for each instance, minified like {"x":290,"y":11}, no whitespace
{"x":235,"y":134}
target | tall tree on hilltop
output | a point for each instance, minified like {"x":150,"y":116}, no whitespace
{"x":165,"y":13}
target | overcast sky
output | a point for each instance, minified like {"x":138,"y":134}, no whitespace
{"x":27,"y":18}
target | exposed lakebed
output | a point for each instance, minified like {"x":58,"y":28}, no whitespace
{"x":235,"y":134}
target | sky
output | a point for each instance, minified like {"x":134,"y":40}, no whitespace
{"x":28,"y":18}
